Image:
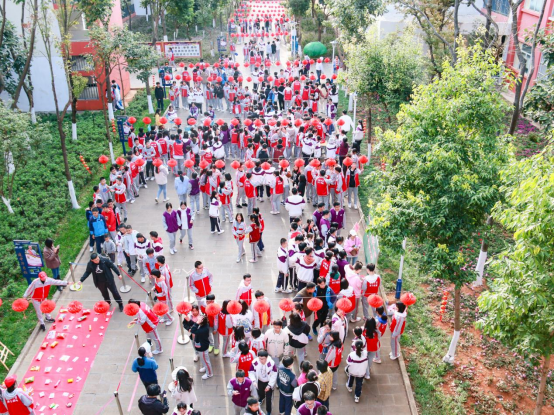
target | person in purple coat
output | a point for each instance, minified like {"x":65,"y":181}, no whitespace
{"x":337,"y":215}
{"x":194,"y":193}
{"x":310,"y":405}
{"x":171,"y":222}
{"x":240,"y":388}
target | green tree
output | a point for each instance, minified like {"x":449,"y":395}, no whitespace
{"x":384,"y":71}
{"x":19,"y":138}
{"x":442,"y":168}
{"x":95,"y":11}
{"x":180,"y":13}
{"x":12,"y":59}
{"x":351,"y":18}
{"x":298,"y":9}
{"x":518,"y":310}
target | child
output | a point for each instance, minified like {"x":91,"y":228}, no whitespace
{"x":244,"y":291}
{"x":261,"y":319}
{"x":150,"y":263}
{"x":373,"y":342}
{"x":286,"y":382}
{"x":324,"y":338}
{"x":88,"y":214}
{"x":225,"y":328}
{"x":156,"y":242}
{"x":334,"y":279}
{"x":370,"y":286}
{"x":347,"y":291}
{"x":357,"y":367}
{"x":119,"y":244}
{"x":337,"y":215}
{"x":381,"y":327}
{"x":283,"y":268}
{"x":163,"y":295}
{"x":164,"y":270}
{"x":254,"y":237}
{"x":261,"y":221}
{"x":397,"y":325}
{"x":141,"y":245}
{"x":244,"y":357}
{"x":258,"y":342}
{"x":187,"y":222}
{"x":212,"y":322}
{"x":334,"y":355}
{"x":108,"y":247}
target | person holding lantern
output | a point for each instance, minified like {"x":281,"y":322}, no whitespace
{"x":38,"y":291}
{"x":397,"y":325}
{"x":147,"y":319}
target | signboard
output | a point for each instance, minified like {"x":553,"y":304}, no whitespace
{"x":29,"y":257}
{"x":182,"y":49}
{"x":123,"y":129}
{"x":221,"y":44}
{"x":163,"y":71}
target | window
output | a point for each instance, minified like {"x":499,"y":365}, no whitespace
{"x":500,"y":6}
{"x":534,"y":5}
{"x":526,"y":51}
{"x":542,"y":69}
{"x":91,"y":90}
{"x":80,"y":63}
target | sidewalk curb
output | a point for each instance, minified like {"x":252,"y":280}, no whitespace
{"x":401,"y":363}
{"x":34,"y":335}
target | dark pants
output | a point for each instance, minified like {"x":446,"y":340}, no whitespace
{"x":261,"y":243}
{"x":281,"y":103}
{"x":149,"y":169}
{"x":260,"y":191}
{"x":324,"y":402}
{"x":282,"y":281}
{"x":214,"y":223}
{"x":105,"y":286}
{"x":320,"y":317}
{"x":147,"y":383}
{"x":141,"y":179}
{"x":160,"y":102}
{"x":285,"y":404}
{"x":359,"y":382}
{"x":128,"y":261}
{"x":267,"y":395}
{"x":98,"y":239}
{"x":301,"y":285}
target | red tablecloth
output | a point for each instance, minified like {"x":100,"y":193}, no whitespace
{"x":71,"y":359}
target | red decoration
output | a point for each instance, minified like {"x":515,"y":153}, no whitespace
{"x":189,"y":163}
{"x":299,"y":163}
{"x":47,"y":306}
{"x":75,"y":307}
{"x":249,"y":79}
{"x":167,"y":77}
{"x":375,"y":301}
{"x":20,"y":305}
{"x":261,"y":79}
{"x":258,"y":123}
{"x":344,"y":304}
{"x":213,"y":309}
{"x":203,"y":164}
{"x":234,"y":307}
{"x":286,"y":305}
{"x":248,"y":122}
{"x":178,"y":77}
{"x":178,"y":121}
{"x":101,"y":307}
{"x":330,"y":162}
{"x":231,"y":79}
{"x":140,"y":162}
{"x":219,"y":122}
{"x":261,"y":306}
{"x":284,"y":164}
{"x":315,"y":304}
{"x":408,"y":299}
{"x":266,"y":166}
{"x":328,"y":122}
{"x":160,"y":309}
{"x":363,"y":159}
{"x":347,"y":161}
{"x":340,"y":122}
{"x":220,"y":164}
{"x":315,"y":163}
{"x":183,"y":308}
{"x":172,"y":163}
{"x":312,"y":77}
{"x":327,"y":60}
{"x":163,"y":120}
{"x":103,"y":160}
{"x":191,"y":121}
{"x":334,"y":76}
{"x":146,"y":120}
{"x":207,"y":121}
{"x":323,"y":76}
{"x":235,"y":164}
{"x":157,"y":162}
{"x":120,"y":161}
{"x":235,"y":122}
{"x":270,"y":78}
{"x":285,"y":122}
{"x":132,"y":120}
{"x":131,"y":309}
{"x":249,"y":164}
{"x":298,"y":122}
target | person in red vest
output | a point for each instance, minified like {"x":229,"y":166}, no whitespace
{"x":163,"y":295}
{"x":397,"y":325}
{"x":38,"y":291}
{"x":201,"y":282}
{"x":352,"y":180}
{"x":322,"y":189}
{"x":370,"y":286}
{"x":148,"y":320}
{"x":244,"y":291}
{"x":334,"y":355}
{"x":17,"y":402}
{"x":250,"y":192}
{"x":243,"y":356}
{"x":254,"y":234}
{"x":277,"y":190}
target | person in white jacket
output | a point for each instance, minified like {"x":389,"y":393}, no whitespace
{"x":283,"y":267}
{"x":263,"y":373}
{"x":129,"y":241}
{"x":160,"y":174}
{"x":294,"y":204}
{"x":357,"y":365}
{"x":276,"y":341}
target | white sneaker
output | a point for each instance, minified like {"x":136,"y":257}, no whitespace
{"x":196,"y":358}
{"x":156,"y":199}
{"x":356,"y":400}
{"x":167,"y":199}
{"x":207,"y":376}
{"x":278,"y":290}
{"x":367,"y":377}
{"x":142,"y":279}
{"x":156,"y":352}
{"x":238,"y":260}
{"x":288,"y":291}
{"x":348,"y":388}
{"x":226,"y":355}
{"x":171,"y":251}
{"x":169,"y":322}
{"x":355,"y":206}
{"x":146,"y":186}
{"x":213,"y":232}
{"x":376,"y":361}
{"x":133,"y":201}
{"x":221,"y":232}
{"x":202,"y":370}
{"x":349,"y":205}
{"x":91,"y":249}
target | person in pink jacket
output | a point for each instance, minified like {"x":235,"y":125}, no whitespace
{"x":352,"y":246}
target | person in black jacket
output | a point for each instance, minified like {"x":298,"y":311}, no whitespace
{"x":101,"y":269}
{"x":201,"y":332}
{"x":149,"y":404}
{"x":159,"y":94}
{"x":298,"y":332}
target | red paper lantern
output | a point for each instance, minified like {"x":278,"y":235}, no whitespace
{"x":178,"y":121}
{"x":235,"y":122}
{"x":20,"y":305}
{"x":131,"y":309}
{"x":330,"y":162}
{"x":278,"y":63}
{"x":375,"y":301}
{"x":298,"y":122}
{"x":220,"y":164}
{"x":231,"y":79}
{"x":199,"y":79}
{"x":203,"y":164}
{"x":239,"y":79}
{"x":47,"y":306}
{"x":272,"y":122}
{"x":75,"y":307}
{"x":132,"y":120}
{"x":344,"y":304}
{"x":146,"y":120}
{"x":163,"y":120}
{"x":363,"y":159}
{"x":216,"y":65}
{"x":285,"y":122}
{"x":249,"y":164}
{"x":314,"y":121}
{"x":299,"y":163}
{"x":183,"y":308}
{"x":140,"y":162}
{"x":284,"y":163}
{"x":219,"y":79}
{"x":247,"y":122}
{"x":182,"y":64}
{"x":187,"y":78}
{"x":266,"y":166}
{"x":207,"y":121}
{"x":172,"y":163}
{"x":235,"y":164}
{"x":261,"y":79}
{"x":291,"y":79}
{"x":315,"y":304}
{"x":120,"y":161}
{"x":160,"y":309}
{"x":328,"y":122}
{"x":312,"y":62}
{"x":103,"y":160}
{"x":157,"y":162}
{"x":234,"y":307}
{"x":315,"y":163}
{"x":327,"y":60}
{"x":261,"y":306}
{"x":191,"y":121}
{"x":340,"y":122}
{"x":167,"y":77}
{"x":323,"y":76}
{"x":408,"y":299}
{"x":249,"y":79}
{"x":286,"y":305}
{"x":347,"y":161}
{"x":219,"y":122}
{"x":189,"y":163}
{"x":334,"y":76}
{"x":178,"y":77}
{"x":101,"y":306}
{"x":312,"y":77}
{"x":258,"y":123}
{"x":213,"y":309}
{"x":270,"y":78}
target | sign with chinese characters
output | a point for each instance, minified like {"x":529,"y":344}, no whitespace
{"x":29,"y":257}
{"x":182,"y":49}
{"x":123,"y":129}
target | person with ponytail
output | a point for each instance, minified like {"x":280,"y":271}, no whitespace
{"x":373,"y":341}
{"x":182,"y":388}
{"x":146,"y":367}
{"x":357,"y":363}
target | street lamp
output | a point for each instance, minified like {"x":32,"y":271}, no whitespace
{"x":334,"y":43}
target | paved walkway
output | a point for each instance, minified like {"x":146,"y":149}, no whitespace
{"x":383,"y":394}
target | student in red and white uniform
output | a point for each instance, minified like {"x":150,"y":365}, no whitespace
{"x":185,"y":90}
{"x":254,"y":236}
{"x":397,"y":325}
{"x":15,"y":400}
{"x":225,"y":328}
{"x":261,"y":320}
{"x":171,"y":92}
{"x":148,"y":320}
{"x":276,"y":185}
{"x":352,"y":180}
{"x":373,"y":342}
{"x":201,"y":282}
{"x":38,"y":291}
{"x":240,"y":178}
{"x":381,"y":320}
{"x":287,"y":93}
{"x":163,"y":295}
{"x":339,"y":186}
{"x":250,"y":193}
{"x":244,"y":292}
{"x":370,"y":286}
{"x":243,"y":357}
{"x":239,"y":233}
{"x":120,"y":190}
{"x":334,"y":355}
{"x":322,"y":183}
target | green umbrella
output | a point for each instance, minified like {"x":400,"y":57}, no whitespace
{"x":315,"y":49}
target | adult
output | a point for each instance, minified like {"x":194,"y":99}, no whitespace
{"x":52,"y":259}
{"x":38,"y":291}
{"x":16,"y":400}
{"x":149,"y":404}
{"x":347,"y":121}
{"x":352,"y":246}
{"x":304,"y":296}
{"x":146,"y":367}
{"x":101,"y":269}
{"x":159,"y":94}
{"x":182,"y":388}
{"x":201,"y":282}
